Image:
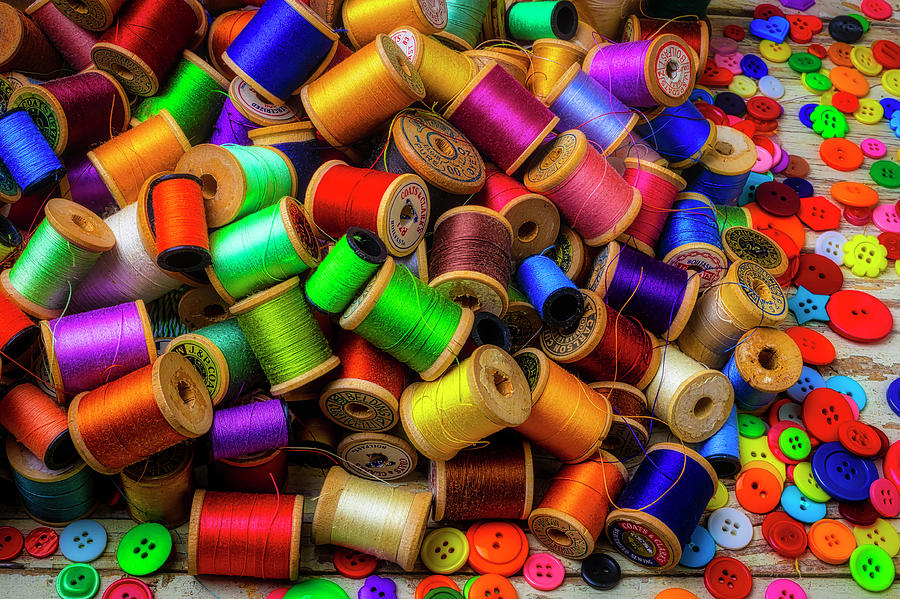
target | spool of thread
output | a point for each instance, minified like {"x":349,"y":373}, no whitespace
{"x":494,"y":26}
{"x":380,"y":70}
{"x":142,"y":413}
{"x":382,"y":520}
{"x":37,"y":421}
{"x":635,"y":148}
{"x":201,"y":307}
{"x":645,"y":73}
{"x":223,"y":30}
{"x":488,"y":483}
{"x":395,"y":207}
{"x":551,"y":59}
{"x":671,"y":10}
{"x":568,"y":418}
{"x":557,"y":300}
{"x":722,"y":449}
{"x":745,"y":243}
{"x":723,"y":171}
{"x":534,"y":218}
{"x":690,"y":239}
{"x":60,"y":252}
{"x":658,"y":186}
{"x":126,"y":161}
{"x":571,"y":255}
{"x":381,"y":455}
{"x":51,"y":497}
{"x":249,"y":429}
{"x":146,"y":41}
{"x":747,"y":297}
{"x":572,"y":513}
{"x":26,"y":154}
{"x":416,"y":263}
{"x":765,"y":362}
{"x":70,"y":40}
{"x":522,"y":320}
{"x":628,"y":434}
{"x":488,"y":329}
{"x":238,"y":180}
{"x":164,"y":317}
{"x":75,"y":112}
{"x":284,"y":336}
{"x":265,"y":247}
{"x":604,"y":345}
{"x":661,"y":506}
{"x":345,"y":270}
{"x":537,"y":20}
{"x":422,"y":143}
{"x":251,"y":474}
{"x":464,"y":22}
{"x":692,"y":400}
{"x":313,"y":431}
{"x":263,"y":529}
{"x":591,"y":196}
{"x":298,"y":142}
{"x":93,"y":15}
{"x":178,"y":221}
{"x":243,"y":111}
{"x":17,"y":331}
{"x":502,"y":118}
{"x":87,"y":350}
{"x":511,"y":63}
{"x":659,"y":296}
{"x":86,"y":187}
{"x":470,"y":258}
{"x":364,"y":20}
{"x":581,"y":102}
{"x":733,"y":216}
{"x":24,"y":47}
{"x":681,"y":134}
{"x":695,"y":33}
{"x":444,"y":71}
{"x":160,"y":488}
{"x":193,"y":95}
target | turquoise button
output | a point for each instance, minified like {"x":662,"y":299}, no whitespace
{"x":800,"y":507}
{"x":849,"y":387}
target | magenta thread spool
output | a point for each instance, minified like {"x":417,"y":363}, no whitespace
{"x":248,"y":429}
{"x":658,"y":186}
{"x":501,"y":117}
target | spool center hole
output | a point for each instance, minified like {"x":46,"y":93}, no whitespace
{"x":82,"y":223}
{"x":359,"y":411}
{"x":208,"y":186}
{"x":502,"y":383}
{"x":672,"y":69}
{"x":121,"y":72}
{"x":407,"y":215}
{"x":559,"y":537}
{"x":703,"y":408}
{"x":767,"y":358}
{"x":527,"y":231}
{"x":724,"y":148}
{"x":367,"y":244}
{"x":213,"y":311}
{"x":468,"y":301}
{"x":490,"y":331}
{"x":186,"y":392}
{"x":762,"y":290}
{"x":563,"y":307}
{"x":443,"y":146}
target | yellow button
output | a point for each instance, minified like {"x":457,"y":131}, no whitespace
{"x":870,"y":112}
{"x":863,"y":59}
{"x":881,"y":534}
{"x":743,"y":86}
{"x":826,"y":98}
{"x":445,"y":550}
{"x":758,"y":449}
{"x":720,"y":499}
{"x":803,"y":478}
{"x":775,"y":52}
{"x":890,"y":80}
{"x":823,"y":83}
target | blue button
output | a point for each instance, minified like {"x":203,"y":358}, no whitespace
{"x":890,"y":105}
{"x":809,"y":379}
{"x":753,"y":66}
{"x":82,"y":541}
{"x":701,"y":94}
{"x":849,"y":387}
{"x":748,"y":194}
{"x":800,"y":507}
{"x":805,"y":111}
{"x":808,"y":306}
{"x":700,"y":549}
{"x":893,"y":396}
{"x":803,"y":187}
{"x":844,"y":476}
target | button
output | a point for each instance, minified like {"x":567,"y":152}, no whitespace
{"x":763,"y":108}
{"x":847,"y":386}
{"x":783,"y":588}
{"x":809,"y":380}
{"x":831,"y":245}
{"x":144,"y":549}
{"x":799,"y":33}
{"x":777,"y":198}
{"x":40,"y":542}
{"x":890,"y":106}
{"x":723,"y":45}
{"x":885,"y":173}
{"x":869,"y":112}
{"x":839,"y":54}
{"x":712,"y":113}
{"x":754,"y":66}
{"x":734,"y":32}
{"x":278,"y":593}
{"x":858,"y":316}
{"x":807,"y":306}
{"x":435,"y":581}
{"x":701,"y":93}
{"x":891,"y":464}
{"x":828,"y":122}
{"x":887,"y":53}
{"x":544,"y":572}
{"x":819,"y":214}
{"x":800,"y":507}
{"x":891,"y":242}
{"x":815,"y":348}
{"x":804,"y":115}
{"x":881,"y":534}
{"x":890,"y":80}
{"x":831,"y":541}
{"x":845,"y":29}
{"x":852,"y":193}
{"x":803,"y":188}
{"x":743,"y":86}
{"x":886,"y":218}
{"x":872,"y":568}
{"x":700,"y":549}
{"x":757,"y":490}
{"x":819,"y":275}
{"x":873,"y":148}
{"x":77,"y":581}
{"x":751,"y":426}
{"x":731,"y":62}
{"x":82,"y":541}
{"x":806,"y":482}
{"x":774,"y":52}
{"x":862,"y":21}
{"x":675,"y":593}
{"x":496,"y":547}
{"x":600,"y":571}
{"x":727,"y":578}
{"x":714,"y":76}
{"x":824,"y":410}
{"x":863,"y":60}
{"x":445,"y":550}
{"x":774,"y":28}
{"x":893,"y":396}
{"x":817,"y":83}
{"x":790,"y":225}
{"x":730,"y":528}
{"x":320,"y":588}
{"x":841,"y":154}
{"x":804,"y":62}
{"x":752,"y":450}
{"x":848,"y":80}
{"x":11,"y":543}
{"x":861,"y":513}
{"x":771,"y":87}
{"x":352,"y":563}
{"x":794,"y":443}
{"x":845,"y":102}
{"x":858,"y":216}
{"x":130,"y":588}
{"x":885,"y":498}
{"x":876,"y":9}
{"x":765,"y":11}
{"x":785,"y":536}
{"x":841,"y":474}
{"x":719,"y":498}
{"x":376,"y":587}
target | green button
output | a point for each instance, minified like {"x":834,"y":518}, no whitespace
{"x":885,"y":173}
{"x":816,"y":82}
{"x":862,"y":20}
{"x":316,"y":588}
{"x":872,"y":568}
{"x":794,"y":443}
{"x":144,"y":549}
{"x":751,"y":426}
{"x":468,"y":585}
{"x":828,"y":122}
{"x":78,"y":581}
{"x":443,"y":593}
{"x":445,"y":550}
{"x":804,"y":62}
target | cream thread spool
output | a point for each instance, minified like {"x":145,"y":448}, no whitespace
{"x":160,"y":488}
{"x":744,"y":243}
{"x":388,"y":456}
{"x":769,"y":362}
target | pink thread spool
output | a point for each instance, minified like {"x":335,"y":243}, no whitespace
{"x":658,"y":186}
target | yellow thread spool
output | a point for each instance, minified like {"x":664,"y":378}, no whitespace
{"x":160,"y":488}
{"x":365,"y":19}
{"x":551,"y":59}
{"x":444,"y":71}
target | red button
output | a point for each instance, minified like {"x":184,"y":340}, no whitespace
{"x":858,"y":215}
{"x":714,"y":76}
{"x":497,"y":547}
{"x":785,"y":536}
{"x":819,"y":275}
{"x":727,"y":578}
{"x":747,"y":127}
{"x":887,"y":53}
{"x":891,"y":242}
{"x":765,"y":143}
{"x":763,"y":108}
{"x":435,"y":581}
{"x":41,"y":542}
{"x":713,"y":113}
{"x":128,"y":588}
{"x":824,"y":410}
{"x":815,"y":348}
{"x":891,"y":464}
{"x":800,"y":33}
{"x":876,"y":9}
{"x":734,"y":32}
{"x":771,"y":519}
{"x":859,"y":438}
{"x":860,"y":513}
{"x":777,"y":198}
{"x":764,"y":11}
{"x":790,"y":225}
{"x":858,"y":316}
{"x":813,"y":23}
{"x":819,"y":214}
{"x":764,"y":127}
{"x":817,"y":50}
{"x":11,"y":543}
{"x":845,"y":102}
{"x":885,"y":443}
{"x":354,"y":564}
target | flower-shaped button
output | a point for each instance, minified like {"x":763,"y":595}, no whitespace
{"x":543,"y":571}
{"x":872,"y":568}
{"x":445,"y":550}
{"x":806,"y":482}
{"x":800,"y":507}
{"x":886,"y":218}
{"x":863,"y":60}
{"x":11,"y":543}
{"x":377,"y":587}
{"x":831,"y":245}
{"x":435,"y":581}
{"x":831,"y":541}
{"x":727,"y":578}
{"x":492,"y":586}
{"x":496,"y":547}
{"x":77,"y":581}
{"x":730,"y":528}
{"x":828,"y":122}
{"x":783,"y":588}
{"x":808,"y":306}
{"x":885,"y":498}
{"x":128,"y":588}
{"x":699,"y":550}
{"x":41,"y":542}
{"x":144,"y":549}
{"x":83,"y":540}
{"x":865,"y":256}
{"x":881,"y":534}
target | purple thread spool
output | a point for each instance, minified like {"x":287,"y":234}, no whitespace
{"x":87,"y":188}
{"x":244,"y":110}
{"x":249,"y":429}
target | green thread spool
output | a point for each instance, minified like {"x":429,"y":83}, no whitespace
{"x":61,"y":251}
{"x":401,"y":315}
{"x":262,"y":249}
{"x":732,"y":216}
{"x":193,"y":95}
{"x":539,"y":20}
{"x":284,"y":336}
{"x":345,"y":270}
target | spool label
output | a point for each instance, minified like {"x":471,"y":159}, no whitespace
{"x":204,"y":363}
{"x":521,"y":327}
{"x":560,"y":344}
{"x":625,"y":438}
{"x":639,"y":544}
{"x":112,"y":62}
{"x":379,"y":458}
{"x":443,"y":147}
{"x":599,"y":269}
{"x":43,"y":116}
{"x":160,"y":464}
{"x":673,"y":69}
{"x":750,"y":272}
{"x":408,"y":216}
{"x":712,"y":265}
{"x":562,"y":253}
{"x":8,"y":185}
{"x":435,"y":11}
{"x":6,"y":91}
{"x":302,"y":227}
{"x":257,"y":107}
{"x":541,"y":524}
{"x":628,"y":30}
{"x":531,"y":366}
{"x":553,"y":160}
{"x":379,"y":417}
{"x":407,"y":42}
{"x":749,"y":244}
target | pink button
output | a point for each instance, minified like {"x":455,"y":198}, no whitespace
{"x":858,"y":216}
{"x":885,"y":498}
{"x":776,"y":156}
{"x":763,"y":160}
{"x":876,"y":9}
{"x":782,"y":588}
{"x":730,"y":62}
{"x":128,"y":588}
{"x":873,"y":148}
{"x":789,"y":473}
{"x":543,"y":571}
{"x":885,"y":218}
{"x":723,"y":45}
{"x":278,"y":593}
{"x":854,"y":407}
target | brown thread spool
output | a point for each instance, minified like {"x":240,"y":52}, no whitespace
{"x":470,"y":258}
{"x":222,"y":32}
{"x":522,"y":319}
{"x":514,"y":63}
{"x":444,"y":71}
{"x":550,"y":59}
{"x":572,"y":513}
{"x":24,"y":47}
{"x":568,"y":418}
{"x":493,"y":483}
{"x":93,"y":15}
{"x":628,"y":433}
{"x":365,"y":19}
{"x":385,"y":456}
{"x":251,"y":474}
{"x":160,"y":488}
{"x":744,"y":243}
{"x":769,"y":362}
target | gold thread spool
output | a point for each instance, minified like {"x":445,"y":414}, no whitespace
{"x":382,"y":520}
{"x":365,"y":19}
{"x":693,"y":401}
{"x":93,"y":15}
{"x":444,"y":71}
{"x":511,"y":63}
{"x":202,"y":307}
{"x":160,"y":488}
{"x":252,"y":473}
{"x":24,"y":47}
{"x":550,"y":60}
{"x":571,"y":428}
{"x":747,"y":297}
{"x":384,"y":455}
{"x":744,"y":243}
{"x":483,"y":394}
{"x":768,"y":360}
{"x":628,"y":433}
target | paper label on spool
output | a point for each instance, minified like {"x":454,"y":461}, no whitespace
{"x":628,"y":30}
{"x":8,"y":185}
{"x":562,"y":252}
{"x":711,"y":265}
{"x":441,"y":146}
{"x":575,"y":549}
{"x":203,"y":362}
{"x":559,"y":344}
{"x":625,"y":438}
{"x":554,"y":159}
{"x":43,"y":116}
{"x":378,"y":416}
{"x":673,"y":69}
{"x":749,"y":272}
{"x":407,"y":42}
{"x":531,"y":366}
{"x":639,"y":544}
{"x":379,"y":458}
{"x":749,"y":244}
{"x":258,"y":107}
{"x":6,"y":91}
{"x":408,"y":215}
{"x":435,"y":11}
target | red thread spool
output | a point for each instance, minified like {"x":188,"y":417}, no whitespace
{"x":17,"y":331}
{"x":38,"y":423}
{"x":178,"y":217}
{"x":251,"y":474}
{"x":593,"y":198}
{"x":24,"y":47}
{"x":245,"y":534}
{"x":73,"y":42}
{"x":694,"y":33}
{"x":658,"y":186}
{"x":222,"y":32}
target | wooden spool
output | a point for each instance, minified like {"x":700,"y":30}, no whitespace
{"x":522,"y":319}
{"x":93,"y":15}
{"x":511,"y":63}
{"x":744,"y":243}
{"x":768,"y":360}
{"x":628,"y":431}
{"x":551,"y":59}
{"x":292,"y":132}
{"x":202,"y":307}
{"x":256,"y":108}
{"x":209,"y":361}
{"x":159,"y":489}
{"x":705,"y":258}
{"x":571,"y":254}
{"x":360,"y":405}
{"x":24,"y":47}
{"x":444,"y":71}
{"x":385,"y":456}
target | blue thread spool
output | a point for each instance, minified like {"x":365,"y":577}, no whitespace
{"x":26,"y":154}
{"x":583,"y":103}
{"x":557,"y":299}
{"x":298,"y":142}
{"x":722,"y":450}
{"x":680,"y":134}
{"x":282,"y":47}
{"x":691,"y":240}
{"x":724,"y":170}
{"x":765,"y":363}
{"x":654,"y":535}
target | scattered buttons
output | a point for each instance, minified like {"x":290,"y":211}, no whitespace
{"x":730,"y":528}
{"x":83,"y":541}
{"x":11,"y":543}
{"x":77,"y":581}
{"x":40,"y":542}
{"x":727,"y":578}
{"x":858,"y":316}
{"x":831,"y":541}
{"x":497,"y":547}
{"x":130,"y":588}
{"x":601,"y":571}
{"x":445,"y":550}
{"x":353,"y":564}
{"x":872,"y":568}
{"x":543,"y":571}
{"x":700,"y":549}
{"x":800,"y":507}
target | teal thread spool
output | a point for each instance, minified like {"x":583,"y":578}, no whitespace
{"x":345,"y":270}
{"x":539,"y":20}
{"x":465,"y":19}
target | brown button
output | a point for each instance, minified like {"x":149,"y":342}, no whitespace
{"x":797,"y":167}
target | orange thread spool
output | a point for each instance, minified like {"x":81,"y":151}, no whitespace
{"x":222,"y":32}
{"x":573,"y":512}
{"x":178,"y":217}
{"x":17,"y":331}
{"x":38,"y":423}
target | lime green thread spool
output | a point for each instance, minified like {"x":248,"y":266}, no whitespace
{"x":284,"y":336}
{"x":262,"y":249}
{"x":61,"y":251}
{"x":345,"y":270}
{"x":732,"y":216}
{"x":539,"y":20}
{"x":193,"y":95}
{"x":401,"y":315}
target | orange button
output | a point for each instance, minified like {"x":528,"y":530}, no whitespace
{"x":851,"y":193}
{"x":492,"y":586}
{"x":758,"y":489}
{"x":839,"y":53}
{"x":789,"y":225}
{"x":831,"y":541}
{"x":849,"y":80}
{"x":675,"y":594}
{"x":497,"y":547}
{"x":841,"y":154}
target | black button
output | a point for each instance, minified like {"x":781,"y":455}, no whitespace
{"x":845,"y":29}
{"x":601,"y":571}
{"x":731,"y":103}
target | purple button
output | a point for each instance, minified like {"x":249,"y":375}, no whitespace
{"x":376,"y":587}
{"x":797,"y":4}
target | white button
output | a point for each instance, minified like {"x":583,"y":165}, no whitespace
{"x":730,"y":528}
{"x":831,"y":245}
{"x":790,"y":411}
{"x":771,"y":87}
